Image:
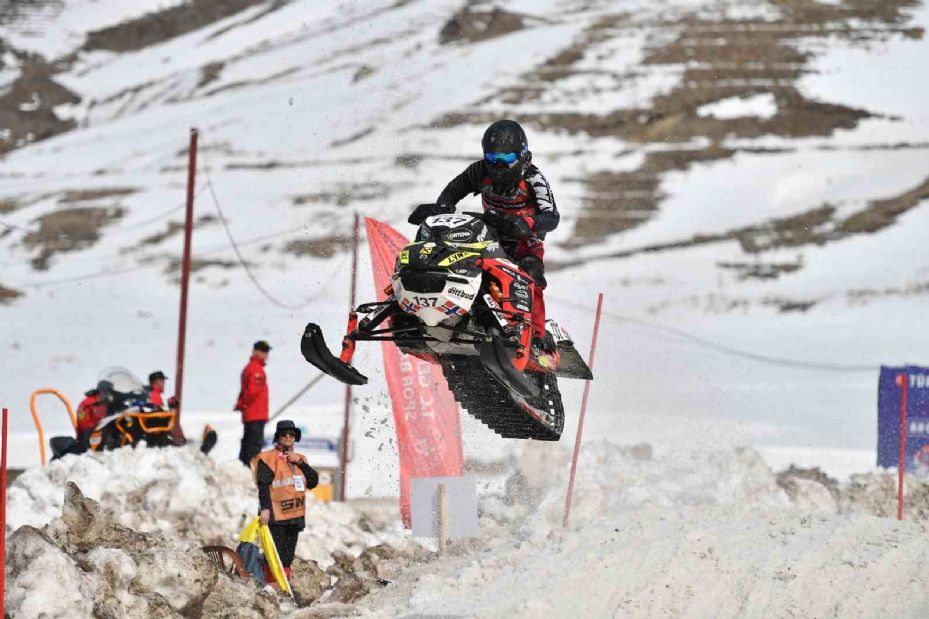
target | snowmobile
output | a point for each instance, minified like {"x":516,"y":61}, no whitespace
{"x":129,"y":419}
{"x":457,"y":300}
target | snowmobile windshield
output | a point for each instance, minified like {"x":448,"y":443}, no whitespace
{"x":122,"y":379}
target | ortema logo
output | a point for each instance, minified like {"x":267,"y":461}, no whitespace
{"x":458,"y":292}
{"x":458,"y":235}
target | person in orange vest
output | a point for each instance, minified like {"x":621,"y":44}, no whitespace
{"x":253,"y":402}
{"x":283,"y":477}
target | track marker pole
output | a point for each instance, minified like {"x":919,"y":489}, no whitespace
{"x":443,"y":521}
{"x":177,"y":432}
{"x":3,"y":515}
{"x":901,"y":467}
{"x":343,"y":456}
{"x":580,"y":422}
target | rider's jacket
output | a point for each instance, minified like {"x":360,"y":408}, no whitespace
{"x":531,"y":198}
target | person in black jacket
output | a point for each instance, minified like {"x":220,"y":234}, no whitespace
{"x":511,"y":186}
{"x":283,"y":478}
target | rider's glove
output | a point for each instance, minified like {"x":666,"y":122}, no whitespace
{"x":517,"y":227}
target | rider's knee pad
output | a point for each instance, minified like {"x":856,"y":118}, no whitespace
{"x":534,"y":268}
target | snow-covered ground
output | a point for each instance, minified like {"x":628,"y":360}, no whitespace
{"x":280,"y":150}
{"x":664,"y":533}
{"x":688,"y":533}
{"x":313,"y":111}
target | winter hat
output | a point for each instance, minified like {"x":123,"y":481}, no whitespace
{"x":286,"y":424}
{"x":155,"y":376}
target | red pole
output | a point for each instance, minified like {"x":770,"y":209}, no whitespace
{"x":901,"y":468}
{"x":3,"y":515}
{"x":185,"y":282}
{"x":580,"y":422}
{"x":343,"y":456}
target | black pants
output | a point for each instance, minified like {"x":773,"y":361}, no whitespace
{"x":285,"y":539}
{"x":253,"y":438}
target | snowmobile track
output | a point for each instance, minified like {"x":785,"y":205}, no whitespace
{"x":490,"y":402}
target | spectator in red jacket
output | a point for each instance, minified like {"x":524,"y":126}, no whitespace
{"x":91,"y":410}
{"x":253,"y":402}
{"x":156,"y":389}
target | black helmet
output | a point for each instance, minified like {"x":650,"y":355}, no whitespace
{"x":286,"y":424}
{"x":506,"y":153}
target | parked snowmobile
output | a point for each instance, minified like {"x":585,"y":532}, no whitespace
{"x":456,"y":299}
{"x":129,"y":418}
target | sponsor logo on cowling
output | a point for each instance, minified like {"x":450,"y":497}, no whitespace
{"x":521,"y":292}
{"x":458,"y":235}
{"x":458,"y":292}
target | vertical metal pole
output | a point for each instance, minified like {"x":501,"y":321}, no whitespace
{"x":3,"y":516}
{"x":580,"y":422}
{"x":343,"y":456}
{"x":443,"y":544}
{"x":178,"y":432}
{"x":901,"y":467}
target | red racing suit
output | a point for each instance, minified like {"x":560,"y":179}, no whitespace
{"x":253,"y":395}
{"x":531,"y":198}
{"x":89,"y":412}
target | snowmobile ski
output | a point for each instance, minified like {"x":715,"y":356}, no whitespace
{"x":314,"y":349}
{"x":498,"y":363}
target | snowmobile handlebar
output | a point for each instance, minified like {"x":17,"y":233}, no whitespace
{"x":507,"y":226}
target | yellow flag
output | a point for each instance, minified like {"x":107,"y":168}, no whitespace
{"x":273,"y":559}
{"x":249,"y":534}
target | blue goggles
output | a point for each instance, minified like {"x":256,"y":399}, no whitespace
{"x":507,"y":158}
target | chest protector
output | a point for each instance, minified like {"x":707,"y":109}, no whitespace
{"x":519,"y":201}
{"x":287,"y":502}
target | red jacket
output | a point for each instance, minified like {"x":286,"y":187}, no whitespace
{"x":253,"y":396}
{"x":89,"y":412}
{"x":155,"y":397}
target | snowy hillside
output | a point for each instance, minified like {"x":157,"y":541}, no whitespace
{"x":747,"y":182}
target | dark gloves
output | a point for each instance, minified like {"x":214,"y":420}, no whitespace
{"x":173,"y":402}
{"x":508,"y":225}
{"x":424,"y":211}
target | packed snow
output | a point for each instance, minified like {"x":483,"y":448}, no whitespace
{"x":309,"y":112}
{"x":179,"y":493}
{"x":652,"y":530}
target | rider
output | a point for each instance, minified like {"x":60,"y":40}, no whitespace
{"x":510,"y":185}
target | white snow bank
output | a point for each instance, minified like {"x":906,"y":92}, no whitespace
{"x":179,"y":493}
{"x":660,"y":532}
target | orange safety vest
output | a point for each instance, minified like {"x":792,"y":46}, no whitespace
{"x":287,"y":502}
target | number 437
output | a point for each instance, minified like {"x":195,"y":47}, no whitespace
{"x":425,"y":301}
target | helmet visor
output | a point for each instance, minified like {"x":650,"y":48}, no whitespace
{"x":507,"y":158}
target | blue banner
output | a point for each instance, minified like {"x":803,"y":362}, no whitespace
{"x":891,"y":386}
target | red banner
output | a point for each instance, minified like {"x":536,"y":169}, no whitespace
{"x":425,"y":412}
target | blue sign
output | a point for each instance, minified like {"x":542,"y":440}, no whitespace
{"x":891,"y":386}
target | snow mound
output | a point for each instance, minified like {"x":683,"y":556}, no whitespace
{"x":179,"y":492}
{"x":614,"y":479}
{"x":672,"y":533}
{"x":86,"y":564}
